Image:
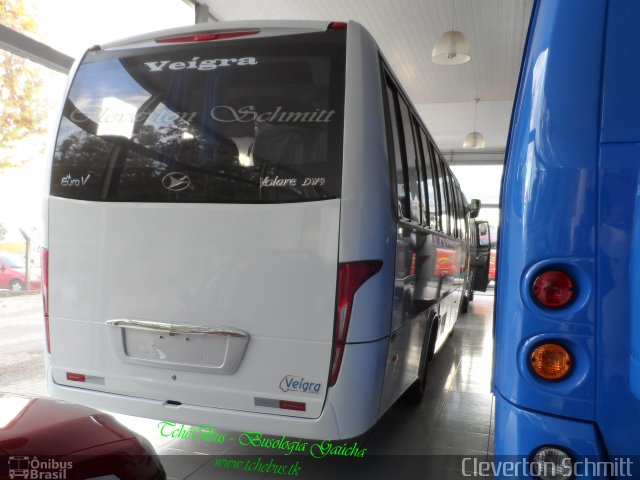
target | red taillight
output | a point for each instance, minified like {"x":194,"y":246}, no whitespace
{"x":337,"y":26}
{"x":289,"y":405}
{"x":44,"y":264}
{"x":207,"y":36}
{"x":76,"y":377}
{"x":553,"y":289}
{"x":351,"y":276}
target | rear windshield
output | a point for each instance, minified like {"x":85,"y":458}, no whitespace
{"x":244,"y":121}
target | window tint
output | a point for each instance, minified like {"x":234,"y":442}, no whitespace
{"x":428,"y":181}
{"x":444,"y":201}
{"x":452,"y":201}
{"x":461,"y":217}
{"x":242,"y":121}
{"x":411,"y":160}
{"x":401,"y":182}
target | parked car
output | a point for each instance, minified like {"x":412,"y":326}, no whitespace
{"x":13,"y":273}
{"x":47,"y":438}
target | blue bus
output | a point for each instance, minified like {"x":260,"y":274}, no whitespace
{"x":567,"y":317}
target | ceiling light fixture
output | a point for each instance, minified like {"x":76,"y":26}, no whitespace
{"x":452,"y":48}
{"x":474,"y":140}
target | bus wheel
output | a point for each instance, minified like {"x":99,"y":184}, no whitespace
{"x":414,"y":394}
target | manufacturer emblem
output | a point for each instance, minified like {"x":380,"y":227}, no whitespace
{"x":299,"y":384}
{"x":176,"y":181}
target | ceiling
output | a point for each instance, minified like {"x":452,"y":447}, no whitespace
{"x":406,"y":31}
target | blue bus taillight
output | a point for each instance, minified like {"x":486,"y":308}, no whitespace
{"x":551,"y":361}
{"x":553,"y":289}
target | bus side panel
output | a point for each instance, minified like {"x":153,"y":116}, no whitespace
{"x":582,"y":436}
{"x":618,"y":411}
{"x":367,"y":227}
{"x":549,"y":197}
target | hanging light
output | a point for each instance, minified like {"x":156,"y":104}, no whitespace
{"x":452,"y":48}
{"x":474,"y":140}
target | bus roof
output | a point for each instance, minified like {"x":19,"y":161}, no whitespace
{"x":266,"y":28}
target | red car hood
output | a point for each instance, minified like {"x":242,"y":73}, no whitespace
{"x":35,"y":426}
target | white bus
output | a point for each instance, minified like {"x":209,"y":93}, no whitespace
{"x":250,"y":227}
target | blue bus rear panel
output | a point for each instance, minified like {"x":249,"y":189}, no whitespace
{"x":569,"y":199}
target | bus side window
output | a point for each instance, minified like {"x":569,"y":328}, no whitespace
{"x":425,"y":189}
{"x":411,"y":161}
{"x":453,"y":208}
{"x":431,"y":180}
{"x":401,"y":170}
{"x":461,"y":218}
{"x":444,"y":195}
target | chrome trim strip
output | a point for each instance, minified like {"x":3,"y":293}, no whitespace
{"x":172,"y":328}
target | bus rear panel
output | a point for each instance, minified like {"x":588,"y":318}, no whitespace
{"x":224,"y":241}
{"x":566,"y":314}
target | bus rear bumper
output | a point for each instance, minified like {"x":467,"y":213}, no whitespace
{"x":520,"y":433}
{"x":351,"y":407}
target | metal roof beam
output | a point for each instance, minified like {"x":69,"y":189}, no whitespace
{"x":202,"y":13}
{"x":23,"y":46}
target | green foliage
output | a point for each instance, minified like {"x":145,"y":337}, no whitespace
{"x":20,"y":108}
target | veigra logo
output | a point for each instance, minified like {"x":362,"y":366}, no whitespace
{"x":299,"y":384}
{"x":196,"y":64}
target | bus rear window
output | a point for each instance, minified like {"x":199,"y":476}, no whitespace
{"x":243,"y":121}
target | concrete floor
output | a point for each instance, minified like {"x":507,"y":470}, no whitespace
{"x":453,"y":422}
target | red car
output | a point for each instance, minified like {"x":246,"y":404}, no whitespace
{"x":13,"y":274}
{"x":46,"y":438}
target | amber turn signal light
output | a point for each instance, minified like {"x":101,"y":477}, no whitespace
{"x":551,"y":361}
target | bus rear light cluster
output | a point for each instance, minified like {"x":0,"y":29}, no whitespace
{"x":44,"y":265}
{"x":551,"y":361}
{"x":207,"y":36}
{"x":76,"y":377}
{"x":337,"y":26}
{"x":351,"y":276}
{"x":553,"y":289}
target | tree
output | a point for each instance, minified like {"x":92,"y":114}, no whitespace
{"x":20,"y":107}
{"x":3,"y":232}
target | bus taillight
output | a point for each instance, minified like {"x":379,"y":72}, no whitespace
{"x":551,"y":361}
{"x":207,"y":36}
{"x":553,"y":289}
{"x":337,"y":26}
{"x":351,"y":276}
{"x":44,"y":265}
